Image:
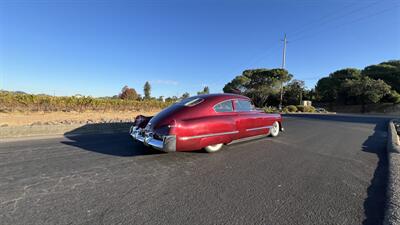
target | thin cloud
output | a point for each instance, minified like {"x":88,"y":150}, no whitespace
{"x":212,"y":84}
{"x":167,"y":82}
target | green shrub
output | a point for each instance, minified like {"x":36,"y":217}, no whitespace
{"x":291,"y":108}
{"x":302,"y":108}
{"x":271,"y":109}
{"x":309,"y":109}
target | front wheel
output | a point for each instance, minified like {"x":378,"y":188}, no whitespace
{"x":274,"y":130}
{"x":213,"y":148}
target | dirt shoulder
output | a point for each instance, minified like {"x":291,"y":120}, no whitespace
{"x":17,"y":119}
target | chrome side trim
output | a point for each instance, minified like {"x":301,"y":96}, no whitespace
{"x":257,"y":137}
{"x":208,"y":135}
{"x":259,"y":128}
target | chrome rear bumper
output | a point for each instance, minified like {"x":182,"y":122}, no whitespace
{"x":168,"y":144}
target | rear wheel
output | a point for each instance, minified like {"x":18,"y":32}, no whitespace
{"x":274,"y":130}
{"x":213,"y":148}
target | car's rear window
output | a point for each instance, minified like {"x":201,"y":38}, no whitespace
{"x":191,"y":101}
{"x":225,"y":106}
{"x":243,"y":106}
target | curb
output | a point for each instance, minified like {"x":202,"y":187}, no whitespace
{"x":309,"y":113}
{"x":392,"y":212}
{"x":60,"y":130}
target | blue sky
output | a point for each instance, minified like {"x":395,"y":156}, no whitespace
{"x":96,"y":47}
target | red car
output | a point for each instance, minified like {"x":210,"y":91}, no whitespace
{"x":205,"y":121}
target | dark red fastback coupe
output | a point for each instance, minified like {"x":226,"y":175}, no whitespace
{"x":205,"y":121}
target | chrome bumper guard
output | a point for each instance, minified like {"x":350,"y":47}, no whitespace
{"x":168,"y":144}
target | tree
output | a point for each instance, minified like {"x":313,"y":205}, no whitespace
{"x":128,"y":93}
{"x":309,"y":94}
{"x":326,"y":90}
{"x":294,"y":92}
{"x":185,"y":95}
{"x":366,"y":90}
{"x":205,"y":90}
{"x":348,"y":73}
{"x":387,"y":71}
{"x":147,"y":90}
{"x":329,"y":89}
{"x":171,"y":99}
{"x":258,"y":84}
{"x":237,"y":85}
{"x":392,"y":97}
{"x":161,"y":98}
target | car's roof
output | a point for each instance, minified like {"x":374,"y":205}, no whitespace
{"x":221,"y":96}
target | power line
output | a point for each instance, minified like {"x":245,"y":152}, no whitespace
{"x":318,"y":20}
{"x":256,"y":58}
{"x":266,"y":52}
{"x":348,"y":23}
{"x":323,"y":21}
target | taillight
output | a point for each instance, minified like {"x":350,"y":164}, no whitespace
{"x":173,"y":126}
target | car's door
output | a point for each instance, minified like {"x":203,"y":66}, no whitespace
{"x":226,"y":115}
{"x":248,"y":121}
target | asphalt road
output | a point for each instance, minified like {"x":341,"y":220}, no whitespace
{"x":322,"y":170}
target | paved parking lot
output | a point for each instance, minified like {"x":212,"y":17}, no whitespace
{"x":322,"y":170}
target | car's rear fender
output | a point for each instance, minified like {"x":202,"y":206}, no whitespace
{"x":198,"y":133}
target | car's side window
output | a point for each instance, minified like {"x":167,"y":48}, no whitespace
{"x":225,"y":106}
{"x":243,"y":106}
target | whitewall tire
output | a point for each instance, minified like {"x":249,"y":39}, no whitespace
{"x":274,"y":130}
{"x":213,"y":148}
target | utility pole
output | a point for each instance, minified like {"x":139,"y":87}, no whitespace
{"x":284,"y":52}
{"x":283,"y":67}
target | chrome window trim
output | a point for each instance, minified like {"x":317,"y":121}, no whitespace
{"x":233,"y":108}
{"x":251,"y":103}
{"x":208,"y":135}
{"x":187,"y":104}
{"x":259,"y":128}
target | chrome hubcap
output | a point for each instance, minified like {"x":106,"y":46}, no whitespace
{"x":275,"y":128}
